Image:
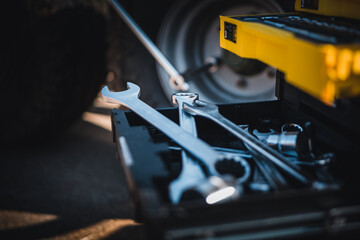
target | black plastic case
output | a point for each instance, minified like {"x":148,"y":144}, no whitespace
{"x":298,"y":213}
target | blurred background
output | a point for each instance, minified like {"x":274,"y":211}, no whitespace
{"x":59,"y":176}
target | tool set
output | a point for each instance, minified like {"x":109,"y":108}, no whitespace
{"x":207,"y":170}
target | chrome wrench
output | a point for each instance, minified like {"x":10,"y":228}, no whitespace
{"x":130,"y":99}
{"x":211,"y":111}
{"x":191,"y":172}
{"x":192,"y":177}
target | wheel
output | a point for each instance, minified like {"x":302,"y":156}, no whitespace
{"x":188,"y":34}
{"x":53,"y":60}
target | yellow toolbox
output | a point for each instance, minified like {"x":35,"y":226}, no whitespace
{"x":318,"y":48}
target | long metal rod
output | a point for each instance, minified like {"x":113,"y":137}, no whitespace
{"x":151,"y":47}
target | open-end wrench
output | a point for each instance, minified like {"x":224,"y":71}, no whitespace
{"x":191,"y":172}
{"x":211,"y":111}
{"x":192,"y":177}
{"x":130,"y":99}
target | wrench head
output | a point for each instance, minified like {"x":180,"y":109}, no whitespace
{"x":122,"y":97}
{"x":201,"y":108}
{"x":177,"y":97}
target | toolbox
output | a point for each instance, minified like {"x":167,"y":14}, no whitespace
{"x":327,"y":209}
{"x":150,"y":165}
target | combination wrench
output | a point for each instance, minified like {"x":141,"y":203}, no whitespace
{"x":211,"y":111}
{"x":196,"y":147}
{"x":192,"y":179}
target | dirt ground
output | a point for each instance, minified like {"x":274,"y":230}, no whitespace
{"x":71,"y":187}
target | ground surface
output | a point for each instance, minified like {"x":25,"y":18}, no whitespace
{"x":69,"y":188}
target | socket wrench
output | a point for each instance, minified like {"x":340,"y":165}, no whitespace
{"x":211,"y":111}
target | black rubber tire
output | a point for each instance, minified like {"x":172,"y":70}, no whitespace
{"x":52,"y":62}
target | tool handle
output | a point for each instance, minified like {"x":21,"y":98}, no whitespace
{"x":191,"y":144}
{"x":146,"y":41}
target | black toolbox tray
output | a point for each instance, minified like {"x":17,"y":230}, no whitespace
{"x":300,"y":212}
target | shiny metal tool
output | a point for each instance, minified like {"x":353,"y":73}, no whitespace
{"x":292,"y":144}
{"x":130,"y":99}
{"x":176,"y":79}
{"x":211,"y":111}
{"x":192,"y":179}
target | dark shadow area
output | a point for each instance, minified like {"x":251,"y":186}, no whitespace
{"x":75,"y":177}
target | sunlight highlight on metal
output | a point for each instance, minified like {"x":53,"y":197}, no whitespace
{"x":219,"y":195}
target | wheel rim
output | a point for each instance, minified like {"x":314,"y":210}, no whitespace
{"x":189,"y":34}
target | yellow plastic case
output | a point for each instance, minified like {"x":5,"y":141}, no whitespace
{"x":325,"y":71}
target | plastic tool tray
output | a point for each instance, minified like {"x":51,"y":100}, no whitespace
{"x":151,"y":161}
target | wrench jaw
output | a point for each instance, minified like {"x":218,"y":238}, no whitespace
{"x":122,"y":97}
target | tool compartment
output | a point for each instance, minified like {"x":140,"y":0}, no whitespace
{"x":151,"y":161}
